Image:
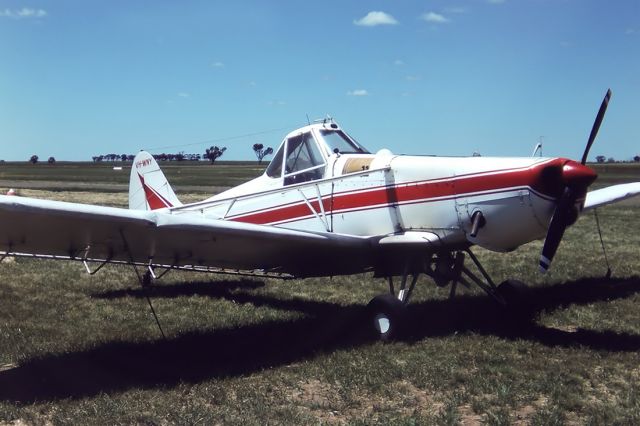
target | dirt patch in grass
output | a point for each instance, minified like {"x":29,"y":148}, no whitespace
{"x":325,"y":403}
{"x":524,"y":415}
{"x":313,"y":393}
{"x":18,"y":422}
{"x":468,"y":416}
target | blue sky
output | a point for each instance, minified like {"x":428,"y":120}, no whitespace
{"x":80,"y":78}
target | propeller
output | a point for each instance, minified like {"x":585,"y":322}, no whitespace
{"x":576,"y":178}
{"x":596,"y":125}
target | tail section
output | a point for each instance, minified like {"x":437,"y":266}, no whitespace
{"x":148,"y":187}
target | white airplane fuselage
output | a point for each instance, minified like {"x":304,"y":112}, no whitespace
{"x":384,"y":194}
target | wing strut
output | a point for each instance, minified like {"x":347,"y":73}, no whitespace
{"x":604,"y":251}
{"x":144,"y":282}
{"x":93,"y":272}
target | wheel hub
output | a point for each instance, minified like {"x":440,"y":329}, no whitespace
{"x":382,"y":323}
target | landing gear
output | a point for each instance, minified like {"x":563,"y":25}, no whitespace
{"x":386,"y":313}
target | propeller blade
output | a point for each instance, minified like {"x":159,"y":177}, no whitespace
{"x":577,"y":179}
{"x":596,"y":125}
{"x":559,"y":223}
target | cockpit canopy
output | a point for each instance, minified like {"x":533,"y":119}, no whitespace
{"x":304,"y":152}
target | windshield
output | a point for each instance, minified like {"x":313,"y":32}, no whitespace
{"x":275,"y":166}
{"x":336,"y":139}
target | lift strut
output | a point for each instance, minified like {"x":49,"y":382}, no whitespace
{"x":144,"y":282}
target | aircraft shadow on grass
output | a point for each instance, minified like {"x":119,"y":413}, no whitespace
{"x":197,"y":356}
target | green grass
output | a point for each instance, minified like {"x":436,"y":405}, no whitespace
{"x":68,"y":176}
{"x":80,"y":349}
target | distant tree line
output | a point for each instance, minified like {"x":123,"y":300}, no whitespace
{"x":212,"y":154}
{"x":34,"y":159}
{"x":603,"y":159}
{"x":112,"y":157}
{"x":180,"y":156}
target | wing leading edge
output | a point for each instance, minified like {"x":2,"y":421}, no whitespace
{"x":611,"y":194}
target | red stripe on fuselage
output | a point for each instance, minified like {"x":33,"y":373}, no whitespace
{"x":405,"y":193}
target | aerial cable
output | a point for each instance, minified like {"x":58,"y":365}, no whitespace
{"x":228,"y":138}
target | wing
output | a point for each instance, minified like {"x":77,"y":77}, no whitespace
{"x":63,"y":230}
{"x":611,"y":194}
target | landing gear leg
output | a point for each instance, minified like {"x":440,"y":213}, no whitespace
{"x":511,"y":295}
{"x":446,"y":268}
{"x":487,"y":285}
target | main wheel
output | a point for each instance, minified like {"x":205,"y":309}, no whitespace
{"x":386,"y":316}
{"x":517,"y":296}
{"x":513,"y":292}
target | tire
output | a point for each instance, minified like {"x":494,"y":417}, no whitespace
{"x":513,"y":291}
{"x":386,"y":316}
{"x":516,"y":294}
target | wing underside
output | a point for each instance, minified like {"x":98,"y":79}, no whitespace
{"x":43,"y":228}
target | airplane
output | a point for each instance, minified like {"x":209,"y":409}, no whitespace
{"x":326,"y":206}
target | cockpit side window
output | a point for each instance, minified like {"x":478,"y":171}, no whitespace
{"x":274,"y":170}
{"x":337,"y":140}
{"x":303,"y":161}
{"x":302,"y":153}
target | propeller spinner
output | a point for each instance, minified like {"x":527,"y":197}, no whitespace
{"x":576,"y":178}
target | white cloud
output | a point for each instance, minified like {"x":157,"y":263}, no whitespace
{"x":358,"y":92}
{"x":413,"y":78}
{"x":630,"y":31}
{"x":23,"y":13}
{"x":183,"y":94}
{"x":434,"y":18}
{"x":375,"y":18}
{"x":217,"y":64}
{"x":398,"y":62}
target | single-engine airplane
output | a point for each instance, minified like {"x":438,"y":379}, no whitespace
{"x":326,"y":206}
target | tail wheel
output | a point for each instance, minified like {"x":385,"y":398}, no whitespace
{"x":386,"y":316}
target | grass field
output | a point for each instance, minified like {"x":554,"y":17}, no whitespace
{"x":189,"y":177}
{"x":80,"y":349}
